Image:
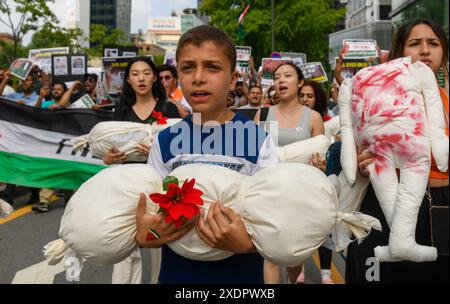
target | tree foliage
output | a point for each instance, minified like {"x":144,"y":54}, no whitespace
{"x":30,"y":15}
{"x":100,"y":35}
{"x":49,"y":37}
{"x":8,"y":54}
{"x":300,"y":25}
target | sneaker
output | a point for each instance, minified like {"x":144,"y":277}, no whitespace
{"x":326,"y":279}
{"x":41,"y":207}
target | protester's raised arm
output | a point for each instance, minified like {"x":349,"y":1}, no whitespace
{"x":6,"y":77}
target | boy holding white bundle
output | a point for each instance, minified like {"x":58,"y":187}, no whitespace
{"x":214,"y":135}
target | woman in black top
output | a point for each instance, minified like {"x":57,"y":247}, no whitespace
{"x":142,"y":94}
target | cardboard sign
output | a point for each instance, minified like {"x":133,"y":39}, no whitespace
{"x":297,"y":58}
{"x":351,"y":67}
{"x":111,"y":50}
{"x":314,"y":71}
{"x":68,"y":67}
{"x":43,"y":57}
{"x":21,"y":68}
{"x":269,"y":65}
{"x":114,"y":74}
{"x":359,"y":48}
{"x":85,"y":102}
{"x":170,"y":58}
{"x":243,"y":54}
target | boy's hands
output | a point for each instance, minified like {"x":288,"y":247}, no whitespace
{"x":224,"y":229}
{"x":167,"y":231}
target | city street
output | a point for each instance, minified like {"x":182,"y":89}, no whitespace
{"x":24,"y":234}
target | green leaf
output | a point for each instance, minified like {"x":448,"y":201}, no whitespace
{"x":169,"y":180}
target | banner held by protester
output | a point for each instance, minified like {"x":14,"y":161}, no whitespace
{"x":36,"y":147}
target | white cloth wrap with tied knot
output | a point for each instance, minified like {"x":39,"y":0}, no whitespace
{"x":122,"y":135}
{"x":289,"y":210}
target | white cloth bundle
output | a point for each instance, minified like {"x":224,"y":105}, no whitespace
{"x":99,"y":222}
{"x":122,"y":135}
{"x":289,"y":210}
{"x":5,"y":208}
{"x":301,"y":151}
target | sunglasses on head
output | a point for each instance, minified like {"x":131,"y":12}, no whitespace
{"x":90,"y":79}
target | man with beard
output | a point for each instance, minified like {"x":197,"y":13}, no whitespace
{"x":78,"y":90}
{"x":51,"y":102}
{"x":254,"y":98}
{"x":27,"y":96}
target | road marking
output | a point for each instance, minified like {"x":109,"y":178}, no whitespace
{"x":335,"y":274}
{"x":40,"y":273}
{"x":24,"y":210}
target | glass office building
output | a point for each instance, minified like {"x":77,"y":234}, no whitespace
{"x":112,"y":14}
{"x":408,"y":10}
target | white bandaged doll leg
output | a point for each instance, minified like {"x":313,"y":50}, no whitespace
{"x":129,"y":271}
{"x":402,"y":239}
{"x":384,"y":180}
{"x":411,"y":189}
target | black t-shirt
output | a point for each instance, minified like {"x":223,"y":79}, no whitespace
{"x":168,"y":109}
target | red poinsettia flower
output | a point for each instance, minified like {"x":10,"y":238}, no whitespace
{"x":179,"y":204}
{"x":159,"y":118}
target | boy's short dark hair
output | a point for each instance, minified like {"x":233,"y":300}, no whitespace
{"x":171,"y":69}
{"x":207,"y":33}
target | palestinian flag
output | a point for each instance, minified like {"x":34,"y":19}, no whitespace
{"x":36,"y":147}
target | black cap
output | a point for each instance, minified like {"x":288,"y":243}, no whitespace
{"x":92,"y":76}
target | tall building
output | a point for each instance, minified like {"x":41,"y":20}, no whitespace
{"x":365,"y":19}
{"x":408,"y":10}
{"x":189,"y":19}
{"x":112,"y":14}
{"x":164,"y":32}
{"x":77,"y":16}
{"x":204,"y":18}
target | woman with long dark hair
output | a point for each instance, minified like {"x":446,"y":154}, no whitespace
{"x":142,"y":94}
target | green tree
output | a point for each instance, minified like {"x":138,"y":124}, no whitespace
{"x":49,"y":36}
{"x":8,"y":54}
{"x":100,"y":36}
{"x":30,"y":15}
{"x":300,"y":25}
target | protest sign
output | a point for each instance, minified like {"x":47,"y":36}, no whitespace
{"x":269,"y":65}
{"x":351,"y":67}
{"x":112,"y":50}
{"x":78,"y":65}
{"x":43,"y":57}
{"x":243,"y":54}
{"x":21,"y":68}
{"x":170,"y":58}
{"x":314,"y":71}
{"x":359,"y":48}
{"x":85,"y":102}
{"x":114,"y":73}
{"x":68,"y":67}
{"x":297,"y":58}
